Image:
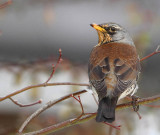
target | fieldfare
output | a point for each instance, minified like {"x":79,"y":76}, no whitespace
{"x":113,"y":68}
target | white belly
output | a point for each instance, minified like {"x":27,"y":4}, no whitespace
{"x":129,"y":91}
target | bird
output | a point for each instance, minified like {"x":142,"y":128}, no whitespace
{"x":113,"y":68}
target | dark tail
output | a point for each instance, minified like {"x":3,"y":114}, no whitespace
{"x":106,"y":109}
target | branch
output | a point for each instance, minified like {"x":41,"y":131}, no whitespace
{"x":5,"y":4}
{"x":83,"y":119}
{"x":48,"y":105}
{"x":80,"y":102}
{"x":155,"y":52}
{"x":41,"y":85}
{"x":46,"y":82}
{"x":94,"y":97}
{"x":55,"y":67}
{"x":51,"y":103}
{"x":21,"y":105}
{"x":83,"y":113}
{"x":152,"y":106}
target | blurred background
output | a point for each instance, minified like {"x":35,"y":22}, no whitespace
{"x":31,"y":33}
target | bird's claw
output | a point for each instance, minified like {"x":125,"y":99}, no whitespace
{"x":134,"y":103}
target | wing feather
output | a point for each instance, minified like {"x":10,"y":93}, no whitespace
{"x":104,"y":59}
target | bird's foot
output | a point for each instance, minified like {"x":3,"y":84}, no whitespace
{"x":134,"y":103}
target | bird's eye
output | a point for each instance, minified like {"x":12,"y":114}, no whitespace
{"x":112,"y":29}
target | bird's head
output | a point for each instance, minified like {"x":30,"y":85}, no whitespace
{"x":112,"y":32}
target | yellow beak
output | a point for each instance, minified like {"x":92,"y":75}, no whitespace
{"x":97,"y":27}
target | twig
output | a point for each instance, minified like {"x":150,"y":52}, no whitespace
{"x":116,"y":127}
{"x":82,"y":113}
{"x":61,"y":125}
{"x":21,"y":105}
{"x":41,"y":85}
{"x":45,"y":83}
{"x":153,"y":106}
{"x":84,"y":118}
{"x":55,"y":67}
{"x":5,"y":4}
{"x":94,"y":98}
{"x":155,"y":52}
{"x":48,"y":105}
{"x":139,"y":116}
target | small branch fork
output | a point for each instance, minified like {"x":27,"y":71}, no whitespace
{"x":82,"y":113}
{"x":48,"y":105}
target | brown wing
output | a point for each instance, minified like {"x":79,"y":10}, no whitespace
{"x":125,"y":64}
{"x":126,"y":74}
{"x":97,"y":77}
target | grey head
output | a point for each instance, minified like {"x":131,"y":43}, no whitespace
{"x":112,"y":32}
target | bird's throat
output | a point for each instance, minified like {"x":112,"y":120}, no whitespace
{"x":103,"y":38}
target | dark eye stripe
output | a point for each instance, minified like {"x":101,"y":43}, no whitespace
{"x":111,"y":30}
